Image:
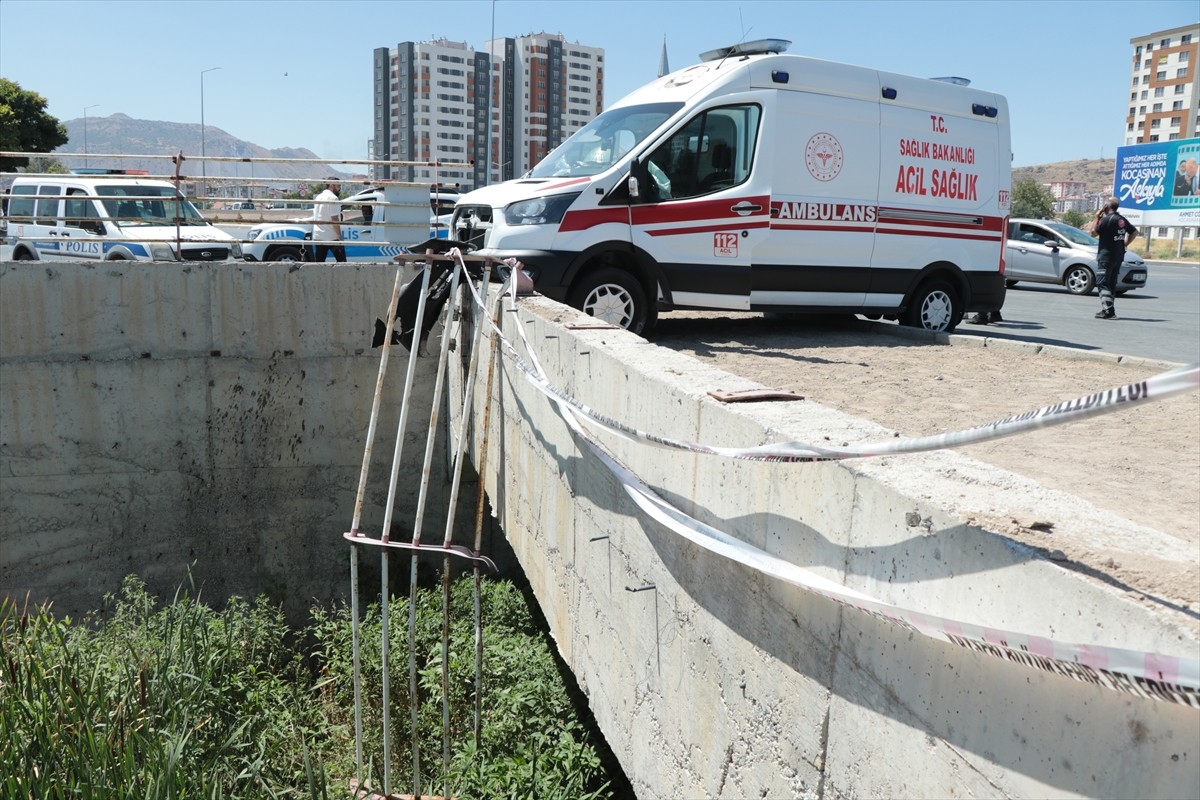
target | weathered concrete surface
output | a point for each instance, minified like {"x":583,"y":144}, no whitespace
{"x":710,"y":680}
{"x":153,"y":416}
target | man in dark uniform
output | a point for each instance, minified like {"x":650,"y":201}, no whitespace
{"x":1115,"y":234}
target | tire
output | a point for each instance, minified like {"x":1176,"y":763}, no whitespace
{"x":23,"y":255}
{"x":1079,"y":279}
{"x":934,"y":306}
{"x":614,"y":296}
{"x":1010,"y":284}
{"x":285,"y":254}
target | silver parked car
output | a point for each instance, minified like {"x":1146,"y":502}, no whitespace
{"x":1043,"y":251}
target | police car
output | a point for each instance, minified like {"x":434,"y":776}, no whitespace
{"x":109,"y":218}
{"x":377,"y":224}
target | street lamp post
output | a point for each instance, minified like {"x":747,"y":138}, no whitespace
{"x":85,"y":110}
{"x":203,"y":169}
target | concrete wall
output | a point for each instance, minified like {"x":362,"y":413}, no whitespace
{"x":720,"y":682}
{"x":152,"y":416}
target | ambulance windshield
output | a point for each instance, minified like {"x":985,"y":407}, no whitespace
{"x":603,"y":141}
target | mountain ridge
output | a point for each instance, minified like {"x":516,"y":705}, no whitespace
{"x":121,"y":134}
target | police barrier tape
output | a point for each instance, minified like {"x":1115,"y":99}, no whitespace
{"x":1150,"y":675}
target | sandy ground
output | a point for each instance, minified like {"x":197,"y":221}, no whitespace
{"x":1142,"y":463}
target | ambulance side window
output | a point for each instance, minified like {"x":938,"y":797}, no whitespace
{"x":713,"y":151}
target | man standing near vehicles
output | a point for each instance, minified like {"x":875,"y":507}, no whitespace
{"x":1115,"y":234}
{"x":327,"y":213}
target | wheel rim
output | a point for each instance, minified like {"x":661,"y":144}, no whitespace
{"x":1078,"y":281}
{"x":610,"y":303}
{"x":936,"y":311}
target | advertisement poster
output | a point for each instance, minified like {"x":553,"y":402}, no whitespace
{"x":1159,"y":183}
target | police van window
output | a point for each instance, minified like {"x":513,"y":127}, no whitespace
{"x":47,"y":205}
{"x":20,"y":209}
{"x":713,"y":151}
{"x":80,"y":212}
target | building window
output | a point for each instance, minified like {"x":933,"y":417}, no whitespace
{"x":1129,"y":127}
{"x":1149,"y":46}
{"x":1181,"y":72}
{"x":1185,"y":56}
{"x":1154,"y":138}
{"x":1161,"y":75}
{"x":1145,"y":94}
{"x":1187,"y":37}
{"x":1165,"y":43}
{"x":1179,"y":88}
{"x":1158,"y":92}
{"x":1154,"y":123}
{"x":1176,"y":120}
{"x":1177,"y":105}
{"x":1157,"y":107}
{"x":1172,"y":137}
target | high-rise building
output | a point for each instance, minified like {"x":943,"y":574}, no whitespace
{"x":1164,"y":96}
{"x":435,"y":102}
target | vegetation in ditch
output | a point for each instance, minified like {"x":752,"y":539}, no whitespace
{"x":173,"y":700}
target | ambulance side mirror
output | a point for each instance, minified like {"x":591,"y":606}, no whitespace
{"x":638,"y":174}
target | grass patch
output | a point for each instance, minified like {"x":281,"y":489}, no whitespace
{"x":169,"y":700}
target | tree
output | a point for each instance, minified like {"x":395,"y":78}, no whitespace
{"x":1031,"y":200}
{"x":1075,"y":218}
{"x":25,"y":126}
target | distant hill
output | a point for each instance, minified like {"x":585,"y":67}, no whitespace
{"x":118,"y":133}
{"x":1097,"y":173}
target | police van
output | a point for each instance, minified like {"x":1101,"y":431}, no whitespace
{"x":377,"y":223}
{"x":761,"y":181}
{"x":109,"y":218}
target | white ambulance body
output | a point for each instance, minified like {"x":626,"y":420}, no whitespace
{"x":110,"y":218}
{"x":757,"y":181}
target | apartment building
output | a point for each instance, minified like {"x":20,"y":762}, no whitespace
{"x":1164,"y":96}
{"x":436,"y":101}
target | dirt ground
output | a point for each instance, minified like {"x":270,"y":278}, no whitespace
{"x":1143,"y":463}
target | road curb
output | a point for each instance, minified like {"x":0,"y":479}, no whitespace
{"x":1032,"y":348}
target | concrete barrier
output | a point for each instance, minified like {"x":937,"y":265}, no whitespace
{"x":711,"y":680}
{"x":154,"y":416}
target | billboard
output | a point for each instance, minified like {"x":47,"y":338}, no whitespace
{"x":1159,"y":183}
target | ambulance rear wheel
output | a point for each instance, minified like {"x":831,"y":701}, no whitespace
{"x":614,"y":296}
{"x":934,"y":307}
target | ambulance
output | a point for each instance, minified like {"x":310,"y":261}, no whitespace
{"x":377,"y":223}
{"x":762,"y":181}
{"x":109,"y":218}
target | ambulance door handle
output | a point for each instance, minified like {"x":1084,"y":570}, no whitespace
{"x":746,"y":208}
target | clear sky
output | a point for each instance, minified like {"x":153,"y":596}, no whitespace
{"x":297,"y":73}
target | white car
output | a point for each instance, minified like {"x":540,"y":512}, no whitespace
{"x":1044,"y":251}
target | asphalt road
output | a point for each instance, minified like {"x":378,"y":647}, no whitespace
{"x":1160,"y":321}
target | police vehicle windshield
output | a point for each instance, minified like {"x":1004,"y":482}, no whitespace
{"x":602,"y":142}
{"x":147,"y":205}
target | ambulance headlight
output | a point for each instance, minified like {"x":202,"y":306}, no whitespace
{"x":539,"y":210}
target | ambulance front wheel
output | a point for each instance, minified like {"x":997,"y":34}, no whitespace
{"x":934,"y":307}
{"x":614,"y":296}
